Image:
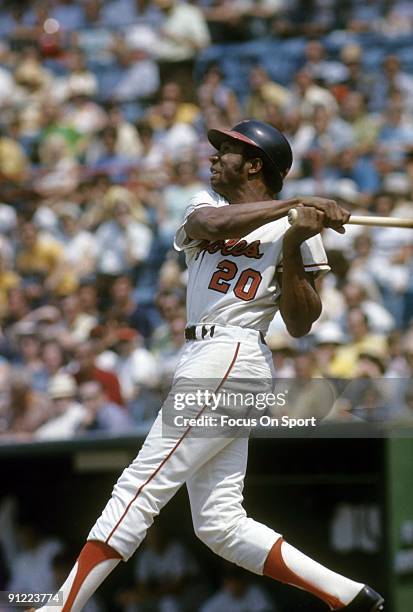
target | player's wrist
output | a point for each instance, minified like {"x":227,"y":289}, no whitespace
{"x":292,"y":241}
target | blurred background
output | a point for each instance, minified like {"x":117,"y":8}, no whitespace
{"x":104,"y":108}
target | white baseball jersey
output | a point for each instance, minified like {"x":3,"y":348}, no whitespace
{"x":234,"y":282}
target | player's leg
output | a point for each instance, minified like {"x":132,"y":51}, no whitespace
{"x":161,"y":467}
{"x":220,"y":521}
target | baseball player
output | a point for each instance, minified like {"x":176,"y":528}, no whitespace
{"x":244,"y":262}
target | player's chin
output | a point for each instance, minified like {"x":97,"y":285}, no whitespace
{"x":215,"y":182}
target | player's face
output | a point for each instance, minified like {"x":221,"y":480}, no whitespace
{"x":227,"y":167}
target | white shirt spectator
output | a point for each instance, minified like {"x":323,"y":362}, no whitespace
{"x":141,"y":80}
{"x":179,"y":139}
{"x":140,"y":368}
{"x":62,"y":427}
{"x":188,"y":31}
{"x":79,"y":248}
{"x":119,"y":249}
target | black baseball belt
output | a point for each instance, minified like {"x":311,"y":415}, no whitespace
{"x":207,"y":332}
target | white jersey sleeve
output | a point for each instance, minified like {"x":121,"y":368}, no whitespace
{"x":313,"y":255}
{"x":201,"y":199}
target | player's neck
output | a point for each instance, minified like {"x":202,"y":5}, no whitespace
{"x":251,"y":192}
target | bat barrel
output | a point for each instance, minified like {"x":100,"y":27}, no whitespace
{"x":370,"y":221}
{"x":380,"y":221}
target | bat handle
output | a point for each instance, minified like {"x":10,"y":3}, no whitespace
{"x":292,"y":216}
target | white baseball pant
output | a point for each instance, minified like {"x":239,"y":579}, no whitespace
{"x":212,"y":468}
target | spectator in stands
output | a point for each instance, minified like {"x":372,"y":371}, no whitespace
{"x":328,"y":338}
{"x":18,"y":306}
{"x":321,"y":69}
{"x":38,"y":261}
{"x":135,"y":366}
{"x":25,"y":409}
{"x":264,"y":91}
{"x":227,"y":21}
{"x":86,"y":371}
{"x":183,"y":31}
{"x":152,"y":155}
{"x":105,"y":157}
{"x":178,"y":139}
{"x":79,"y":245}
{"x":281,"y":346}
{"x":124,"y":239}
{"x":184,"y":185}
{"x":392,"y":79}
{"x":101,"y":415}
{"x":8,"y":277}
{"x":127,"y":139}
{"x":81,"y":112}
{"x":359,"y":169}
{"x":124,"y":309}
{"x":76,"y":324}
{"x":59,"y":172}
{"x":66,"y":413}
{"x":13,"y":160}
{"x":53,"y":122}
{"x":309,"y":395}
{"x":214,"y":91}
{"x":309,"y":96}
{"x":380,"y":320}
{"x":53,"y":358}
{"x":364,"y":125}
{"x":186,"y":112}
{"x":396,"y":133}
{"x":138,"y":72}
{"x":29,"y":359}
{"x":361,"y":340}
{"x":88,"y":297}
{"x":170,"y":303}
{"x":79,"y":78}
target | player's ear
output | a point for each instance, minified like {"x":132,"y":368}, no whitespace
{"x":255,"y":165}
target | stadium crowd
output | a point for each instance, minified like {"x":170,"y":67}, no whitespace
{"x":104,"y":108}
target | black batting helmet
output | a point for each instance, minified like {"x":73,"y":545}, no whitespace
{"x":273,"y":147}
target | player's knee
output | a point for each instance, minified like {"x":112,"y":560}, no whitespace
{"x":220,"y":539}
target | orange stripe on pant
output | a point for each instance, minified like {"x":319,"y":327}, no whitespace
{"x":171,"y":452}
{"x":276,"y":568}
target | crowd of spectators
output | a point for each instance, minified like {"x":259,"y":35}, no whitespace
{"x":104,"y":108}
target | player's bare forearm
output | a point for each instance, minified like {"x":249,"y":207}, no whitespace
{"x":300,"y":304}
{"x":238,"y":220}
{"x":234,"y":221}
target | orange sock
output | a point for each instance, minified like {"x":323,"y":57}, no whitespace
{"x":276,"y":567}
{"x":92,"y":554}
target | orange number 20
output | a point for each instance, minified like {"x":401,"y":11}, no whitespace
{"x":246,"y":286}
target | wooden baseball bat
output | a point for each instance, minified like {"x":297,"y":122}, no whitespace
{"x":365,"y":220}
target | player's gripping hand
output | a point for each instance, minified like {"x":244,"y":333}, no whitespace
{"x":309,"y":222}
{"x":335,"y":216}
